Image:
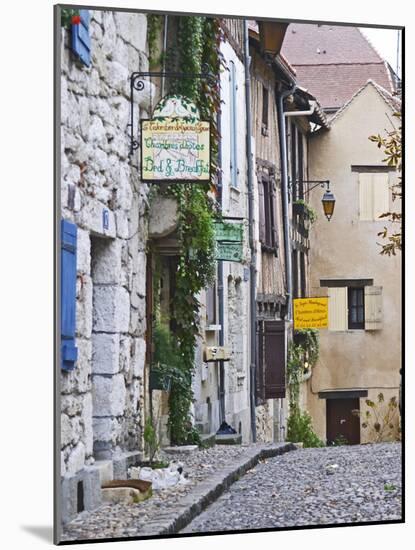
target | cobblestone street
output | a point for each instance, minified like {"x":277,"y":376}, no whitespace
{"x":311,"y":487}
{"x":300,"y":487}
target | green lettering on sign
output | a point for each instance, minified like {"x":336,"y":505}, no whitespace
{"x":228,"y":231}
{"x":231,"y":252}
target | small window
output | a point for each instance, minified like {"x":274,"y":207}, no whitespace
{"x":356,"y":307}
{"x":267,"y":212}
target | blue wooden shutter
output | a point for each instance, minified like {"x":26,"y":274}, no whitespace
{"x":81,"y":41}
{"x":69,"y":352}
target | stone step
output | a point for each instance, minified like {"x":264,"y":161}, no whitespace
{"x":228,"y":439}
{"x":208,"y":440}
{"x":106,"y":470}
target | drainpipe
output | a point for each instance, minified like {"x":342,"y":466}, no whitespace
{"x":285,"y":206}
{"x":252,"y":278}
{"x":166,"y":19}
{"x":302,"y":113}
{"x":220,"y":293}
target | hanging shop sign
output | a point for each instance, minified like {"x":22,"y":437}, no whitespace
{"x":216,"y":353}
{"x":311,"y":313}
{"x":228,"y":231}
{"x":229,"y":251}
{"x":175,"y":143}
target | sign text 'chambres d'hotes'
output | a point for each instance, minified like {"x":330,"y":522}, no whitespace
{"x":175,"y":144}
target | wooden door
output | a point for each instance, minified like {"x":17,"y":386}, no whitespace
{"x":342,"y":424}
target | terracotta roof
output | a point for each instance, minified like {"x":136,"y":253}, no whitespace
{"x":333,"y":85}
{"x":392,"y":101}
{"x":334,"y":61}
{"x":311,"y":44}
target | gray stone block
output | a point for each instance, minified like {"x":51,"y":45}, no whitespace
{"x":105,"y":353}
{"x":228,"y":439}
{"x":112,"y":309}
{"x":89,"y":477}
{"x":108,"y":395}
{"x":106,"y":261}
{"x":132,"y":28}
{"x":76,"y":459}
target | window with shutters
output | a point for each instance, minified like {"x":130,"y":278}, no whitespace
{"x":373,"y":195}
{"x":355,"y":307}
{"x":267,"y":212}
{"x":81,"y":40}
{"x":271,"y":360}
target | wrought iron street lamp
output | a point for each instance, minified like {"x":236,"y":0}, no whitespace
{"x":328,"y":199}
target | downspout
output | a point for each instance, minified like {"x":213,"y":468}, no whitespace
{"x":252,"y":278}
{"x":220,"y":292}
{"x":285,"y":205}
{"x":166,"y":19}
{"x":302,"y":113}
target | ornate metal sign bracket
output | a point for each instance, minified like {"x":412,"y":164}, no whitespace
{"x":137,"y":82}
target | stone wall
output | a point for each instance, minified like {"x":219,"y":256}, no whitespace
{"x":102,"y":398}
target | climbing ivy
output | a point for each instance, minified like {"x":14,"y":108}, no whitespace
{"x":305,"y":347}
{"x":66,"y":16}
{"x":154,"y":24}
{"x":198,"y":41}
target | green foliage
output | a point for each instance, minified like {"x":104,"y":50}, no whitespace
{"x":389,"y":487}
{"x":309,"y":212}
{"x":391,"y":144}
{"x":154,"y":24}
{"x":198,"y":41}
{"x":66,"y":16}
{"x":299,"y":424}
{"x":309,"y":340}
{"x":379,"y":418}
{"x":300,"y":429}
{"x":340,"y":440}
{"x":151,"y":439}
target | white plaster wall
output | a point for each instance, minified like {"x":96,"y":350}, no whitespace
{"x":347,"y":248}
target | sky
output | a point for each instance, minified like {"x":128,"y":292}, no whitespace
{"x":385,"y":41}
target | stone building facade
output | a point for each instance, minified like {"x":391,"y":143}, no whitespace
{"x":120,"y":232}
{"x":102,"y":398}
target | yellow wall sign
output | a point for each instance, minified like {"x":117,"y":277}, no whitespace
{"x":311,"y":313}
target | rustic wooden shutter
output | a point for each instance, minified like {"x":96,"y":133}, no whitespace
{"x":69,"y":352}
{"x":261,"y":209}
{"x":273,"y":209}
{"x":380,"y":184}
{"x":260,"y":371}
{"x":338,"y":308}
{"x":274,"y":359}
{"x":373,"y":307}
{"x":81,"y":41}
{"x":365,"y":196}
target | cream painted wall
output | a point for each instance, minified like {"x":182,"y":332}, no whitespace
{"x":347,"y":248}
